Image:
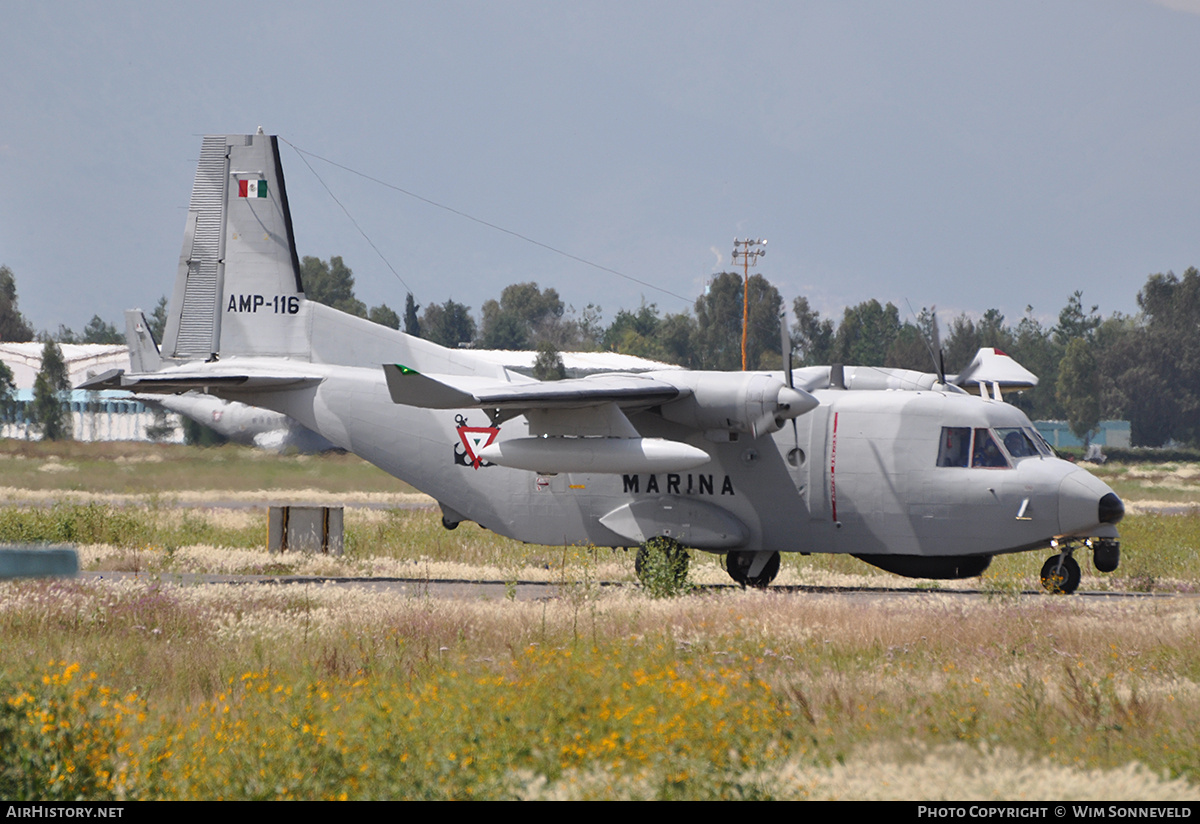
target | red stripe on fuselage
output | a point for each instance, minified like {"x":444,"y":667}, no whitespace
{"x":832,"y":463}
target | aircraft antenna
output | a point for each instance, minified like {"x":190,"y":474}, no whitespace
{"x":480,"y":221}
{"x":749,"y":251}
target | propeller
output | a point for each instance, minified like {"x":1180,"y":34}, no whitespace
{"x":934,"y":346}
{"x":785,"y":349}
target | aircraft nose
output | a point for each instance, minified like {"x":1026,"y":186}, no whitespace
{"x":1112,"y":510}
{"x":1085,"y":502}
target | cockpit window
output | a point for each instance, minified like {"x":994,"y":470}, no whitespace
{"x":986,"y":453}
{"x":1044,"y":448}
{"x":1017,"y":443}
{"x":955,"y":446}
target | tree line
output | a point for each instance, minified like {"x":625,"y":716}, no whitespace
{"x":1144,"y":368}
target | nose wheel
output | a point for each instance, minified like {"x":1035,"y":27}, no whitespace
{"x":1061,"y":575}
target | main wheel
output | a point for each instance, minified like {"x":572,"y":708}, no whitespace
{"x":1061,"y":575}
{"x":738,"y":565}
{"x":662,"y":566}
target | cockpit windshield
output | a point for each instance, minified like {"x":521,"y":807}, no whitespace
{"x":964,"y":446}
{"x":986,"y":453}
{"x":980,"y":448}
{"x":1017,"y":443}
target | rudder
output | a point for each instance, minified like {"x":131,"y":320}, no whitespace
{"x":237,"y":288}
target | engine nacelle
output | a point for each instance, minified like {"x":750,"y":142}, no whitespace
{"x":748,"y":402}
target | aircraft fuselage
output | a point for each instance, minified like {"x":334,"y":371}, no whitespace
{"x":861,"y":475}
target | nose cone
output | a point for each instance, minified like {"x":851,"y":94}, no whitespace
{"x":1111,"y":509}
{"x":792,"y":403}
{"x":1085,"y":503}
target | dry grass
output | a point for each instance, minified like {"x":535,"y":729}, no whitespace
{"x":313,"y":690}
{"x":940,"y":697}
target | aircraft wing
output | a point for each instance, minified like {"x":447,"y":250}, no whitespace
{"x":411,"y":388}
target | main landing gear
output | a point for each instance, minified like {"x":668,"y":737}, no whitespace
{"x":741,"y":568}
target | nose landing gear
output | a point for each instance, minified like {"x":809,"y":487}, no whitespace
{"x":1061,"y":574}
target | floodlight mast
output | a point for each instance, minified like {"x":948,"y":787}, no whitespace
{"x":749,"y":251}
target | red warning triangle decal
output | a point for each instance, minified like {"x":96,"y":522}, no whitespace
{"x":475,"y":438}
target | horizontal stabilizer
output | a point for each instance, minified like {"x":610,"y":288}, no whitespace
{"x":171,"y":381}
{"x":411,"y":388}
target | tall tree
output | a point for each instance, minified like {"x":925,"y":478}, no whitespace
{"x":97,"y":331}
{"x":448,"y":324}
{"x":866,"y":333}
{"x":1074,"y":323}
{"x":548,"y":366}
{"x":384,"y":315}
{"x":967,"y":337}
{"x":1078,"y":389}
{"x":158,"y":319}
{"x":412,"y":323}
{"x":1153,"y":374}
{"x":644,"y":334}
{"x":51,"y":390}
{"x":8,"y":391}
{"x":812,"y":336}
{"x":331,"y":283}
{"x":13,"y":326}
{"x":909,"y":350}
{"x":524,"y":316}
{"x":1033,"y":347}
{"x":718,"y":336}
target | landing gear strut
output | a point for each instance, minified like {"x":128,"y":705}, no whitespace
{"x":1061,"y":574}
{"x":740,"y":564}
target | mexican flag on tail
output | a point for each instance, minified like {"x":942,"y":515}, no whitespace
{"x":252,"y":188}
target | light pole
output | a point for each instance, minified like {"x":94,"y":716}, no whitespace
{"x":749,"y":251}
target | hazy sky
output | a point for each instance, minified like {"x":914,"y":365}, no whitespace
{"x":969,"y":155}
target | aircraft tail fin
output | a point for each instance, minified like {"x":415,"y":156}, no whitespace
{"x":143,"y":349}
{"x":237,"y":288}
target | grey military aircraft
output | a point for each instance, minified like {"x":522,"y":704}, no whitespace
{"x":904,"y":470}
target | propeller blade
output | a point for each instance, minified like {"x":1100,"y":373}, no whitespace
{"x":785,"y":349}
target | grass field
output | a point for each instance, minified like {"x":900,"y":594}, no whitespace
{"x":138,"y":688}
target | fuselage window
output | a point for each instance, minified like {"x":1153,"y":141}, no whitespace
{"x":955,"y":446}
{"x":987,"y":454}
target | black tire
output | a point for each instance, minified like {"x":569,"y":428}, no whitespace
{"x":738,"y":564}
{"x":1061,"y":579}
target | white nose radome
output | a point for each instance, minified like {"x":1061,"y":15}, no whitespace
{"x":1079,"y":497}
